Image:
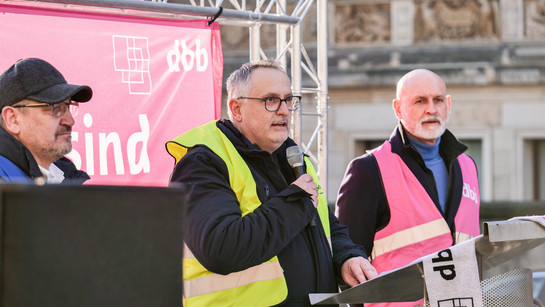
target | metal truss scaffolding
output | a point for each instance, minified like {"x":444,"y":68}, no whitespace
{"x":286,"y":15}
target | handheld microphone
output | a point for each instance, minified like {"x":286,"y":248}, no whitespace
{"x":295,"y":160}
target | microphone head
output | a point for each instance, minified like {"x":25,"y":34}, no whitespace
{"x":294,"y":154}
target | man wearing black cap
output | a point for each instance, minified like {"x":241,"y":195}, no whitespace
{"x":37,"y":105}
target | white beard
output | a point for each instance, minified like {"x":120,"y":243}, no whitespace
{"x":430,"y":133}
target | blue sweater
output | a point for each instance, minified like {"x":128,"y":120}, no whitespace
{"x":434,"y":161}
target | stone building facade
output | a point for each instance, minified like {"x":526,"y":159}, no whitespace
{"x":491,"y":53}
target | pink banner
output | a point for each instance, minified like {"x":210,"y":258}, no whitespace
{"x":152,"y":80}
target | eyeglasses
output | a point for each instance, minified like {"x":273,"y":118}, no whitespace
{"x":272,"y":104}
{"x":57,"y":109}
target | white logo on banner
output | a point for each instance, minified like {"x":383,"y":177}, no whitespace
{"x":136,"y":149}
{"x":197,"y":58}
{"x":132,"y":59}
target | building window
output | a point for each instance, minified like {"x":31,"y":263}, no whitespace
{"x":475,"y":151}
{"x":534,"y":169}
{"x":362,"y":146}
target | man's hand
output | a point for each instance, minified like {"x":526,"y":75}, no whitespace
{"x":357,"y":270}
{"x":305,"y":182}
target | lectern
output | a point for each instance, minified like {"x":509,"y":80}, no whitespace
{"x":91,"y":245}
{"x":501,"y":242}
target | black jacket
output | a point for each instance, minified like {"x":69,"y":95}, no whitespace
{"x":362,"y":204}
{"x":224,"y":242}
{"x":17,"y":153}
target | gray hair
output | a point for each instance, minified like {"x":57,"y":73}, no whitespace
{"x":238,"y":84}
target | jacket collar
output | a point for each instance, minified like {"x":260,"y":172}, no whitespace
{"x":17,"y":153}
{"x":450,"y":148}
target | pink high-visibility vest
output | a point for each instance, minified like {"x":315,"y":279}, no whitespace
{"x":416,"y":226}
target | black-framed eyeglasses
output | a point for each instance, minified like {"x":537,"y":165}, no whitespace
{"x":57,"y":109}
{"x":272,"y":104}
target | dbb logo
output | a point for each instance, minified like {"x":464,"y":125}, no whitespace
{"x":447,"y":271}
{"x":187,"y":57}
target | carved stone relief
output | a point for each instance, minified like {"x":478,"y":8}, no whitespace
{"x":535,"y":20}
{"x":454,"y":20}
{"x":353,"y":22}
{"x":362,"y":23}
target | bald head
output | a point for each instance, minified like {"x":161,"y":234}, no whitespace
{"x":422,"y":105}
{"x":416,"y":77}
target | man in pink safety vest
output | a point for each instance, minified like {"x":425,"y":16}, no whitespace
{"x":417,"y":193}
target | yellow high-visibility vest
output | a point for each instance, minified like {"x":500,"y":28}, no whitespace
{"x":260,"y":285}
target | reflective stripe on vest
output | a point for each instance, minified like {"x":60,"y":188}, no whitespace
{"x":414,"y":231}
{"x":261,"y":285}
{"x":409,"y":236}
{"x":208,"y":282}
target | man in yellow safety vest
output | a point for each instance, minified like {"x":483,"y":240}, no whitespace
{"x":259,"y":231}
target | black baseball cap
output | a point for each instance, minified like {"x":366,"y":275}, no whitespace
{"x":38,"y":80}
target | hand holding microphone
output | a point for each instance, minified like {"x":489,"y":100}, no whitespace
{"x":306,"y":183}
{"x":304,"y":180}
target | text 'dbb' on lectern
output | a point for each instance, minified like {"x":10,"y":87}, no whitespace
{"x":501,"y":243}
{"x":91,"y":245}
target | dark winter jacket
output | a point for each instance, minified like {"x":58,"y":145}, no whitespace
{"x":224,"y":242}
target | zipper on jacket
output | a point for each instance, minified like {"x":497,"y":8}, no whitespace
{"x":266,"y":191}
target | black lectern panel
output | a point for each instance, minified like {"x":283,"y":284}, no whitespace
{"x":91,"y":245}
